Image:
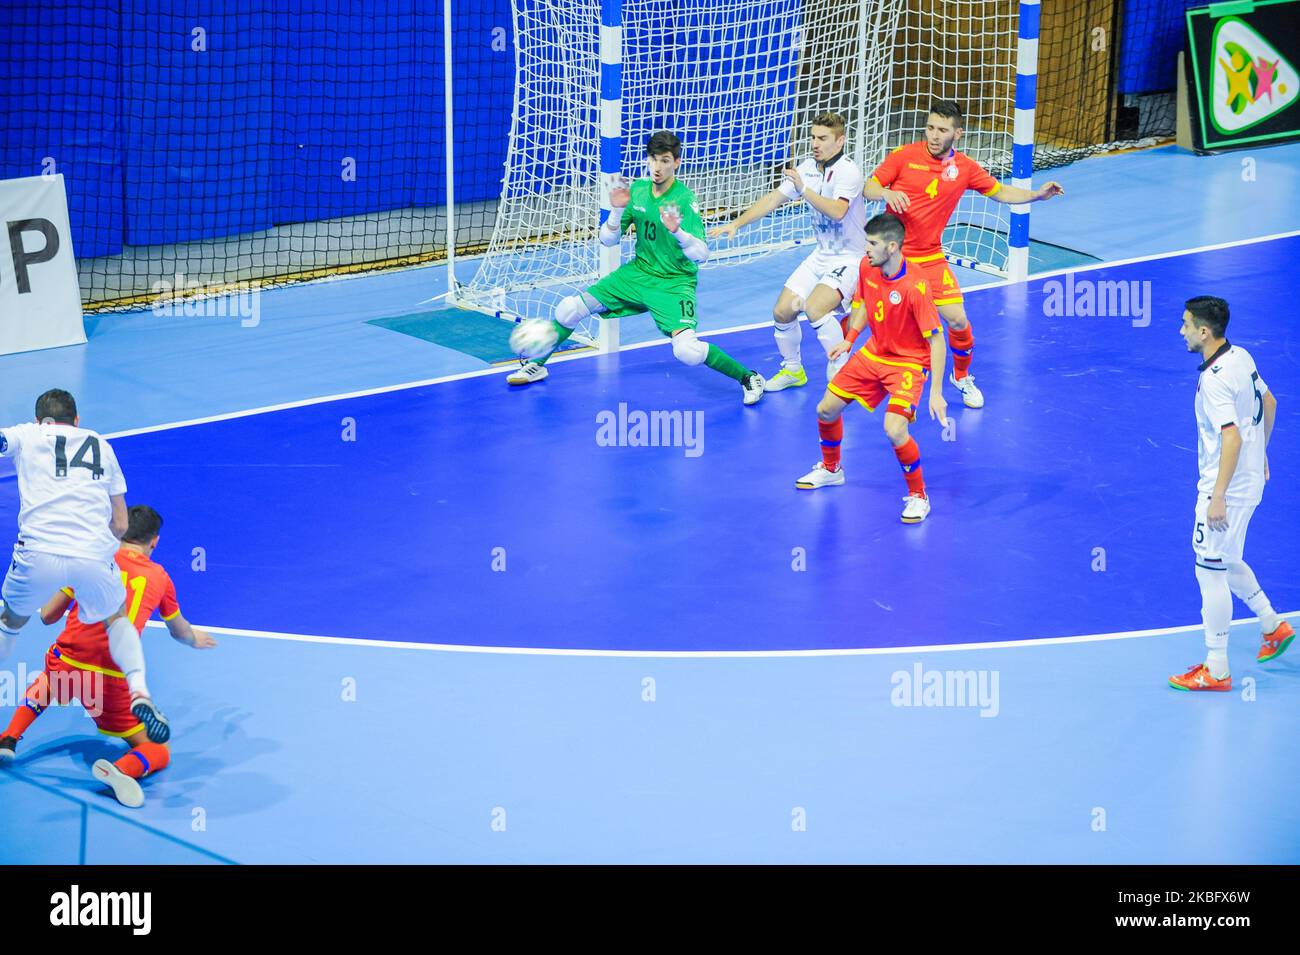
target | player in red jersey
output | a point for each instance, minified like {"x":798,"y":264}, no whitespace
{"x":906,"y":342}
{"x":922,"y":184}
{"x":80,"y":666}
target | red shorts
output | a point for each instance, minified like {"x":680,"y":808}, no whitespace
{"x":939,"y":279}
{"x":103,"y":692}
{"x":869,"y":380}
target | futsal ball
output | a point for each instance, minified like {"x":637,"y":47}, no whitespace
{"x":533,"y":339}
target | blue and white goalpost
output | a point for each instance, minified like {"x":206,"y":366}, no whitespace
{"x":611,"y":141}
{"x":1022,"y":150}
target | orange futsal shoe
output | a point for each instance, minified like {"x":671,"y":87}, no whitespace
{"x":1275,"y":643}
{"x":1198,"y":678}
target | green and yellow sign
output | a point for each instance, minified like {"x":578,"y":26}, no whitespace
{"x":1243,"y":58}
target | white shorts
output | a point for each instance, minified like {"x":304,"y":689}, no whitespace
{"x":1217,"y":549}
{"x":34,"y":578}
{"x":822,"y":268}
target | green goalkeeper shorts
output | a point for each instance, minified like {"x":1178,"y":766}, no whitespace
{"x":630,"y":291}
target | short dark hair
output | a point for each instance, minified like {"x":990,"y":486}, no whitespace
{"x":143,"y":524}
{"x":57,"y":404}
{"x":832,"y":121}
{"x":663,"y":142}
{"x":948,"y":109}
{"x":1209,"y":311}
{"x":888,"y":227}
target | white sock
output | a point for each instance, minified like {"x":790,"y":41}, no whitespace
{"x":788,"y":337}
{"x":8,"y":638}
{"x":1216,"y":661}
{"x":128,"y":652}
{"x":1243,"y":583}
{"x":828,"y":331}
{"x":1216,"y":614}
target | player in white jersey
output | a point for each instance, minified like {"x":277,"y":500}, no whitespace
{"x":823,"y":286}
{"x":1234,"y":419}
{"x":72,"y":514}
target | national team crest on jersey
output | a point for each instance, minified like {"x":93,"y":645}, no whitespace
{"x":935,"y":187}
{"x":894,"y":297}
{"x":840,"y":180}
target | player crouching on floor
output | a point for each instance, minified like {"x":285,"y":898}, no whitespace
{"x":80,"y":666}
{"x":822,"y":286}
{"x":661,"y":278}
{"x":906,"y":343}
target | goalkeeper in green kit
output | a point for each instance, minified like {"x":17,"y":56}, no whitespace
{"x":661,"y":279}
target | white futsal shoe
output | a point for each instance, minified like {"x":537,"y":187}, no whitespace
{"x":528,"y":372}
{"x":971,"y":396}
{"x":915,"y":509}
{"x":754,"y":386}
{"x":126,"y":789}
{"x":786,"y":378}
{"x":820,"y":477}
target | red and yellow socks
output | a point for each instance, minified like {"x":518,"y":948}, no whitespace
{"x":909,"y":458}
{"x":23,"y":718}
{"x":34,"y":703}
{"x":144,"y":759}
{"x":832,"y":434}
{"x":961,"y":343}
{"x":141,"y":761}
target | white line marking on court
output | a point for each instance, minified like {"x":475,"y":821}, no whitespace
{"x":706,"y":654}
{"x":325,"y":399}
{"x":1094,"y":266}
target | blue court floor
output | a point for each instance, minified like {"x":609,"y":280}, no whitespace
{"x":457,"y":626}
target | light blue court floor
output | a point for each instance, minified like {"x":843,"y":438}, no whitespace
{"x":693,"y":662}
{"x":726,"y":763}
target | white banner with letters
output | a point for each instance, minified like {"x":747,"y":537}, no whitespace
{"x":40,"y":302}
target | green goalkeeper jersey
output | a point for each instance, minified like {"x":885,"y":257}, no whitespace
{"x":657,"y":253}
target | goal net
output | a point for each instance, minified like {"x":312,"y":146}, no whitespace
{"x":739,"y":82}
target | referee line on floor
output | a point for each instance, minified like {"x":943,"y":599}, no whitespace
{"x":709,"y":654}
{"x":406,"y":386}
